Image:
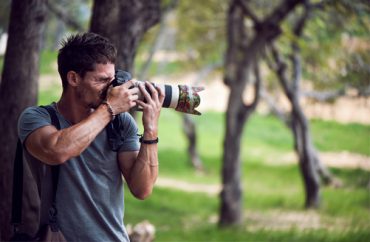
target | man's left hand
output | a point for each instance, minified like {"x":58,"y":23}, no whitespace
{"x":151,"y":109}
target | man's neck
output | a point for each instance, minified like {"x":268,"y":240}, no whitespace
{"x":71,"y":109}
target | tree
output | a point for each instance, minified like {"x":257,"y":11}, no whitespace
{"x":125,"y":25}
{"x":308,"y":159}
{"x":289,"y":71}
{"x":18,"y":89}
{"x":245,"y":46}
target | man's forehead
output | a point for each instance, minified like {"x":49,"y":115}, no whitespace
{"x":104,"y":70}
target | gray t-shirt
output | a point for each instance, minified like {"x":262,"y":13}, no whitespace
{"x":89,"y":197}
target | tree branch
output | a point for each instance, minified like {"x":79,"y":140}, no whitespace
{"x":249,"y":108}
{"x":257,"y":85}
{"x":324,"y":95}
{"x":296,"y":56}
{"x":274,"y":108}
{"x":282,"y":11}
{"x":62,"y":14}
{"x":247,"y":11}
{"x":280,"y":69}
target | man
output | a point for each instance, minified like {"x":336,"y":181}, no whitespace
{"x":89,"y":197}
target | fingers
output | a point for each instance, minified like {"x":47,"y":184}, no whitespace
{"x":144,"y":92}
{"x":128,"y":84}
{"x":151,"y":92}
{"x":161,"y":95}
{"x":123,"y":97}
{"x":134,"y":91}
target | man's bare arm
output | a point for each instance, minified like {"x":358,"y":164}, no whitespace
{"x":54,"y":146}
{"x":141,"y":169}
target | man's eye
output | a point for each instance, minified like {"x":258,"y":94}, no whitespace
{"x":105,"y":79}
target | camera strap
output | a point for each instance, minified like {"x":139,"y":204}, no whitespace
{"x":114,"y":138}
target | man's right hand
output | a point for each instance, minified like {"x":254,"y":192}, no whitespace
{"x":123,"y":97}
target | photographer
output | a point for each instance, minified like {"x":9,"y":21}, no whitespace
{"x":89,"y":197}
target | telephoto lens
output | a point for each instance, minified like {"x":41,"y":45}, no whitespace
{"x":182,"y":98}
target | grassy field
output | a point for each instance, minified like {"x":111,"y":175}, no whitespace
{"x":273,"y":195}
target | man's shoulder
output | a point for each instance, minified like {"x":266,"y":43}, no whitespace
{"x":32,"y":118}
{"x":126,"y":117}
{"x":33,"y":110}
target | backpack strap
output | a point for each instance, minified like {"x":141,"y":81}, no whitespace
{"x":114,"y":138}
{"x":54,"y":169}
{"x":54,"y":174}
{"x":16,"y":217}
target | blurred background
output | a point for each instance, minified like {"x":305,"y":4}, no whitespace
{"x":281,"y":151}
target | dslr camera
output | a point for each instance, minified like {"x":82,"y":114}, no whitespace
{"x":182,"y":98}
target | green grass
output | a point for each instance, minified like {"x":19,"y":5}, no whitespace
{"x":330,"y":136}
{"x":182,"y":216}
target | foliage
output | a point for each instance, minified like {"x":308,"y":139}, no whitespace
{"x":201,"y":28}
{"x":357,"y":70}
{"x":334,"y":48}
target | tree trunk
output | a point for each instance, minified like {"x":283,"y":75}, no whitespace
{"x":306,"y":155}
{"x":191,"y":134}
{"x":18,"y":89}
{"x":310,"y":165}
{"x":231,"y":194}
{"x":323,"y":171}
{"x":300,"y":129}
{"x":243,"y":51}
{"x":188,"y":122}
{"x":235,"y":78}
{"x":125,"y":23}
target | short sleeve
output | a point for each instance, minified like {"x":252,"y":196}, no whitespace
{"x":128,"y":131}
{"x":31,"y":119}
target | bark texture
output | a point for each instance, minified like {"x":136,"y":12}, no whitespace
{"x":18,"y":90}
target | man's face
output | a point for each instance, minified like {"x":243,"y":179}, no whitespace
{"x":93,"y":86}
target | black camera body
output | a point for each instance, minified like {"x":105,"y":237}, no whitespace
{"x":121,"y":77}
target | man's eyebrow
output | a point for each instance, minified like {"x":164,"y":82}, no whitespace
{"x":104,"y":77}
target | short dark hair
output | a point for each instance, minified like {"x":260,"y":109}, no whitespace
{"x":81,"y":52}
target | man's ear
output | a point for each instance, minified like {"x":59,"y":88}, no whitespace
{"x":73,"y":78}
